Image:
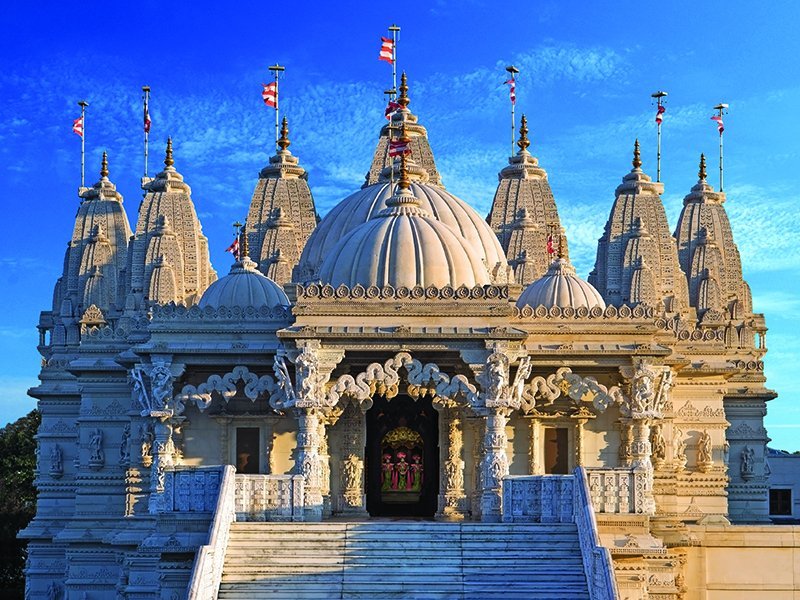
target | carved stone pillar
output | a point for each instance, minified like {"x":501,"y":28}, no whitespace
{"x":477,"y":425}
{"x":534,"y":447}
{"x":353,"y":500}
{"x":625,"y":439}
{"x":324,"y":466}
{"x":163,"y":453}
{"x":494,"y":465}
{"x":308,"y":460}
{"x":452,"y":500}
{"x":579,"y":440}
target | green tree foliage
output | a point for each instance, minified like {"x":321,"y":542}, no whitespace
{"x":17,"y":498}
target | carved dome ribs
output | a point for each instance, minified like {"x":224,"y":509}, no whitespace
{"x":365,"y":204}
{"x":244,"y":287}
{"x":403,"y":246}
{"x":562,"y":288}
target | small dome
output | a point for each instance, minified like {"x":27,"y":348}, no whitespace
{"x":561,"y":287}
{"x":403,"y":246}
{"x":244,"y":286}
{"x":366,"y":203}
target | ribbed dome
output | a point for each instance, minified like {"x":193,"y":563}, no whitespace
{"x":403,"y":246}
{"x":244,"y":286}
{"x":561,"y":287}
{"x":368,"y":202}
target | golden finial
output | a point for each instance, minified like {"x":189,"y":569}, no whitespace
{"x":403,"y":99}
{"x":404,"y":183}
{"x":702,"y":173}
{"x":244,"y":243}
{"x":523,"y":142}
{"x":283,"y":141}
{"x":637,"y":160}
{"x":560,"y":245}
{"x":104,"y":165}
{"x":168,"y":158}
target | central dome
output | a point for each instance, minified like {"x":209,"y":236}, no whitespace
{"x":439,"y":204}
{"x":403,"y":246}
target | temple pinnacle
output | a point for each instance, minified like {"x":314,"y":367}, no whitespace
{"x":168,"y":158}
{"x":702,"y":173}
{"x":637,"y":160}
{"x":283,"y":141}
{"x":245,"y":244}
{"x":523,"y":142}
{"x":404,"y":182}
{"x":104,"y":165}
{"x":403,"y":99}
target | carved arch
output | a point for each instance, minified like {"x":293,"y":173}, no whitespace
{"x":564,"y":382}
{"x":226,"y":387}
{"x":384,"y":380}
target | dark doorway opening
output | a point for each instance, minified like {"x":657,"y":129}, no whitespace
{"x":402,"y":457}
{"x":556,"y":451}
{"x":247,"y":450}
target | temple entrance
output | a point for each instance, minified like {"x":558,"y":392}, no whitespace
{"x":402,"y":457}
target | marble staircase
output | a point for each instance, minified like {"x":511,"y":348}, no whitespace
{"x":413,"y":560}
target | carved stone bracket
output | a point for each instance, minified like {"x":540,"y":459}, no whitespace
{"x":313,"y":368}
{"x":649,"y":390}
{"x":152,"y":389}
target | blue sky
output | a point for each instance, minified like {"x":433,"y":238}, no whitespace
{"x":587,"y":71}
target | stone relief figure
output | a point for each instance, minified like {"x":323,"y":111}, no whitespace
{"x":679,"y":448}
{"x":748,"y":462}
{"x":704,"y":451}
{"x":56,"y":462}
{"x":494,"y":377}
{"x":146,"y":441}
{"x":97,"y":458}
{"x":124,"y":446}
{"x":659,"y":445}
{"x":351,"y":474}
{"x":161,"y":386}
{"x":642,"y":393}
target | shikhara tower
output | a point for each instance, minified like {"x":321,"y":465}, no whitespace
{"x":400,"y":357}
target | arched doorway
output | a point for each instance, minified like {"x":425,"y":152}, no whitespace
{"x":402,"y":457}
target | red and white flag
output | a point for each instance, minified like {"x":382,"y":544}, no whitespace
{"x":550,"y":248}
{"x":391,"y":109}
{"x":234,"y":248}
{"x":660,"y":113}
{"x":720,"y":126}
{"x":270,"y":94}
{"x":512,"y":90}
{"x":399,"y":148}
{"x":387,"y":50}
{"x":77,"y":126}
{"x":147,"y":120}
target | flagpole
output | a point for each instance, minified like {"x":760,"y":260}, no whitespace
{"x":394,"y":30}
{"x":146,"y":90}
{"x":720,"y":107}
{"x":659,"y":96}
{"x":276,"y":68}
{"x":513,"y":72}
{"x":83,"y":104}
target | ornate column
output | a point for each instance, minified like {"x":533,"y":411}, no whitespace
{"x":534,"y":447}
{"x":308,"y":461}
{"x":477,"y":425}
{"x":452,"y":500}
{"x":580,"y":423}
{"x":353,"y":500}
{"x":649,"y":390}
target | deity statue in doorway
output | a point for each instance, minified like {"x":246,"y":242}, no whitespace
{"x":387,"y":471}
{"x":402,"y":473}
{"x":416,"y":473}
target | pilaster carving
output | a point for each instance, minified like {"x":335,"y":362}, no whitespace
{"x":56,"y":462}
{"x":352,"y":454}
{"x":748,"y":466}
{"x":97,"y":457}
{"x":705,"y":448}
{"x":534,"y":444}
{"x":452,"y":500}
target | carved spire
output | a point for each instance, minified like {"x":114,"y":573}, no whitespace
{"x":403,"y":100}
{"x":168,"y":162}
{"x":104,"y":165}
{"x":523,"y":142}
{"x":637,"y":159}
{"x":702,"y":173}
{"x":283,"y":141}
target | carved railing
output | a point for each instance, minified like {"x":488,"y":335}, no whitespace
{"x":596,"y":559}
{"x":207,"y":569}
{"x":194,"y":489}
{"x":538,"y":499}
{"x":269,"y":497}
{"x":617,"y":491}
